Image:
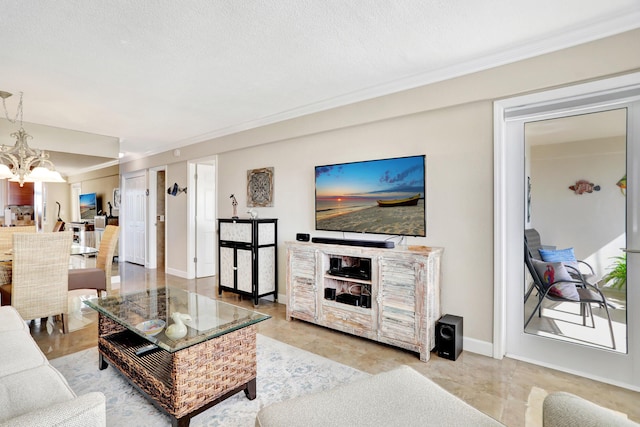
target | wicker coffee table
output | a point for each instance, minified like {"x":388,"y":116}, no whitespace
{"x":184,"y":376}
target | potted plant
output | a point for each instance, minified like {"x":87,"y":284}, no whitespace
{"x":617,"y":277}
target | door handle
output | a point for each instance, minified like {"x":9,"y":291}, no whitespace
{"x":630,"y":251}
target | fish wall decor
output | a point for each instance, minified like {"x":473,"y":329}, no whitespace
{"x":584,"y":186}
{"x":622,"y":184}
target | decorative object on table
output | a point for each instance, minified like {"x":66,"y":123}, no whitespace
{"x":175,"y":190}
{"x":116,"y":199}
{"x":178,"y":329}
{"x":151,"y":327}
{"x":27,"y":164}
{"x":253,"y":213}
{"x":234,"y":204}
{"x":623,"y":184}
{"x":260,"y":187}
{"x":583,"y":186}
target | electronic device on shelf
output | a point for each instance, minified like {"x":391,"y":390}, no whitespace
{"x":361,"y":269}
{"x":348,"y":299}
{"x":388,"y":244}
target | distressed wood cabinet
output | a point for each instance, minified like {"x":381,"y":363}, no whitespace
{"x":248,"y":257}
{"x":387,"y":295}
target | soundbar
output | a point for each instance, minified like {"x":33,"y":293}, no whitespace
{"x":352,"y":242}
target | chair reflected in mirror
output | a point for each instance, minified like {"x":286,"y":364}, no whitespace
{"x":562,"y":282}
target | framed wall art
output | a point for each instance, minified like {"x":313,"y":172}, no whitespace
{"x":116,"y":198}
{"x":260,"y":187}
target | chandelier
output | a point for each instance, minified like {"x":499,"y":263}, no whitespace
{"x":22,"y":163}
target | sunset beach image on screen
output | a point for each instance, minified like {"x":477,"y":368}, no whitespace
{"x":385,"y":196}
{"x":88,"y":206}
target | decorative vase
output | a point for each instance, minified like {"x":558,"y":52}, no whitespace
{"x":178,"y":329}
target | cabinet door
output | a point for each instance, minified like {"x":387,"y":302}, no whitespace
{"x":301,"y":272}
{"x":227,"y":267}
{"x":398,"y":309}
{"x":244,"y":269}
{"x":266,"y":233}
{"x":235,"y":231}
{"x":266,"y":269}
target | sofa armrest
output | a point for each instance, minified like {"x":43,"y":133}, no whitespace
{"x":85,"y":410}
{"x":567,"y":410}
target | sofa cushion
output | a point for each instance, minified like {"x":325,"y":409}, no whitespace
{"x":88,"y":410}
{"x":401,"y":397}
{"x":562,"y":409}
{"x":10,"y":320}
{"x":32,"y":389}
{"x":19,"y":352}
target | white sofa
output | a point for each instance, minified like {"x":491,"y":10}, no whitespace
{"x":32,"y":392}
{"x":404,"y":398}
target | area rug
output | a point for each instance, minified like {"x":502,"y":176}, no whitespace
{"x":284,"y":372}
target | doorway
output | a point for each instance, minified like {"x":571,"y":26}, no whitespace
{"x":135,"y":211}
{"x":202,"y":202}
{"x":160,"y":219}
{"x":516,"y":209}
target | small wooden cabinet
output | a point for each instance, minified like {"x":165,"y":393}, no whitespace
{"x":394,"y":299}
{"x":20,"y":196}
{"x":248,"y":257}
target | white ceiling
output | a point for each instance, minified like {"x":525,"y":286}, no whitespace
{"x":162,"y":74}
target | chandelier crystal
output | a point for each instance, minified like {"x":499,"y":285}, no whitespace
{"x":22,"y":163}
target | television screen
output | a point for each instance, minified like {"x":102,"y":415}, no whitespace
{"x":88,"y":206}
{"x":377,"y":196}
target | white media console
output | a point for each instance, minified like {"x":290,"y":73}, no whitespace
{"x":387,"y":295}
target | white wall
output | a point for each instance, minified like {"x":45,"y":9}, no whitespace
{"x":459,"y":161}
{"x":450,"y":122}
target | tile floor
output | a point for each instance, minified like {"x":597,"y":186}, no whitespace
{"x":500,"y":388}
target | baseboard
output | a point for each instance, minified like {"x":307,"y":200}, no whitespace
{"x":179,"y":273}
{"x":476,"y":346}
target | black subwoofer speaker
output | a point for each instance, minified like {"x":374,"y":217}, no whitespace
{"x":449,"y":336}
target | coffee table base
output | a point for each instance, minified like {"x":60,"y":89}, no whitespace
{"x":186,"y":382}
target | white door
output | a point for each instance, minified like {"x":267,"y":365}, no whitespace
{"x":135,"y":211}
{"x":600,"y":362}
{"x":205,"y":220}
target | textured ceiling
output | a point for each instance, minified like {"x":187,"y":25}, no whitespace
{"x":162,"y":74}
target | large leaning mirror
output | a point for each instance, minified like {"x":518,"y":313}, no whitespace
{"x":575,"y":209}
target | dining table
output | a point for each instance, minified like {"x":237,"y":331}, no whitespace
{"x":76,"y":249}
{"x":6,"y":260}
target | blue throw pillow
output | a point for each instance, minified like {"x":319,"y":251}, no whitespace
{"x":565,"y":256}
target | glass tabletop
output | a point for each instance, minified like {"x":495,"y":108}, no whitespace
{"x":150,"y":313}
{"x":75,"y":250}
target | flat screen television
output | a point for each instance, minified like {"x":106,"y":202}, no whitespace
{"x":385,"y":196}
{"x":88,"y":206}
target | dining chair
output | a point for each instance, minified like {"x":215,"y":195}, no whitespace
{"x":98,"y":278}
{"x":6,"y":235}
{"x":6,"y":245}
{"x":38,"y":286}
